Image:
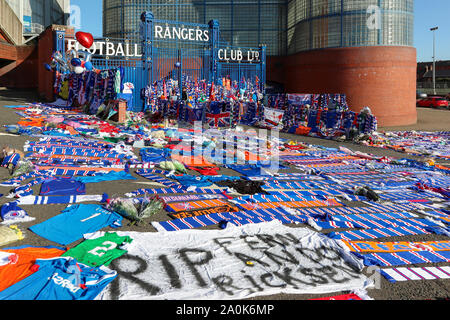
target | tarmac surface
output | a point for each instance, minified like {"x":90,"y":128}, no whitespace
{"x":429,"y":120}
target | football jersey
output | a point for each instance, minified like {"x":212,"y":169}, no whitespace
{"x":76,"y":220}
{"x":60,"y":278}
{"x":99,"y":248}
{"x":20,"y":268}
{"x":61,"y":186}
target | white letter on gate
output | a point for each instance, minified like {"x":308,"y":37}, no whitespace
{"x":206,"y":35}
{"x":119,"y":51}
{"x":158,"y":32}
{"x":71,"y":43}
{"x":101,"y":44}
{"x":220,"y":54}
{"x":110,"y":49}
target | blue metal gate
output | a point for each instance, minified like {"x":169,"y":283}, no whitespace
{"x":176,"y":50}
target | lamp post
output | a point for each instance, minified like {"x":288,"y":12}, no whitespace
{"x":434,"y":59}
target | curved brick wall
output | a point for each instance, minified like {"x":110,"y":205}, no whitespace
{"x":383,"y":78}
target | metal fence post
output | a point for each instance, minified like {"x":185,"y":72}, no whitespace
{"x":146,"y":33}
{"x":60,"y":43}
{"x":262,"y":63}
{"x":180,"y":73}
{"x":214,"y":40}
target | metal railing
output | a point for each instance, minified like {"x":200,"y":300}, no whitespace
{"x":429,"y":85}
{"x":35,"y":28}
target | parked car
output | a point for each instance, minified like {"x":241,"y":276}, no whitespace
{"x":433,"y":102}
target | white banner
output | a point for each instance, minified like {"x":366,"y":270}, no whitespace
{"x":234,"y":263}
{"x":273,"y":117}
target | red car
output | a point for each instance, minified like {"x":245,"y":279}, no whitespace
{"x":433,"y":102}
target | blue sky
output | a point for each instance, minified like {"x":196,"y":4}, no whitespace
{"x":428,"y":13}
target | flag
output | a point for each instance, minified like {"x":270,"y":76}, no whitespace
{"x":218,"y":120}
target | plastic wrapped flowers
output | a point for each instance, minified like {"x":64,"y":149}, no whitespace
{"x":137,"y":209}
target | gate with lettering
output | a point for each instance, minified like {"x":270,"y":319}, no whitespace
{"x":173,"y":50}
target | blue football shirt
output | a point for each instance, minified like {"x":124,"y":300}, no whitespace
{"x":61,"y":186}
{"x":61,"y":278}
{"x":75,"y":221}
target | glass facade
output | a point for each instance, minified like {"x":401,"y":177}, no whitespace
{"x":316,"y":24}
{"x":36,"y":15}
{"x":284,"y":26}
{"x":246,"y":23}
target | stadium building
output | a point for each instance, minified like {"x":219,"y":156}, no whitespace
{"x":363,"y":48}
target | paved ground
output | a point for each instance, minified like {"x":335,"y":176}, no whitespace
{"x":433,"y":120}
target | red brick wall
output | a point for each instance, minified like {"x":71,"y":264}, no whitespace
{"x":27,"y":65}
{"x":20,"y":73}
{"x":383,"y":78}
{"x":45,"y":78}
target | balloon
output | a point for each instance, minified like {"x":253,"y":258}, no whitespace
{"x":70,"y":55}
{"x":83,"y":64}
{"x":47,"y":67}
{"x":76,"y":62}
{"x":57,"y":58}
{"x":88,"y":65}
{"x":78,"y":69}
{"x":84,"y":55}
{"x":177,"y":64}
{"x":85,"y":39}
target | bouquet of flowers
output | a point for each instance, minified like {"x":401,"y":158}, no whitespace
{"x":136,"y":210}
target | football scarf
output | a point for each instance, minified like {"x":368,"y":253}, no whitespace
{"x":11,"y":159}
{"x":377,"y":233}
{"x":216,"y":218}
{"x":191,"y":197}
{"x":371,"y":246}
{"x":15,"y":182}
{"x":396,"y":196}
{"x":164,"y":181}
{"x":257,"y":198}
{"x":388,"y":259}
{"x":173,"y":190}
{"x":373,"y":224}
{"x":272,"y":185}
{"x":343,"y":210}
{"x":196,"y":213}
{"x":406,"y":273}
{"x":281,"y":178}
{"x":195,"y":205}
{"x":26,"y":190}
{"x":373,"y":216}
{"x":436,"y":214}
{"x":306,"y":193}
{"x":290,"y":204}
{"x":35,"y":200}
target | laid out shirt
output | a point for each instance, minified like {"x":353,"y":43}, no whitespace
{"x":25,"y":257}
{"x":99,"y":248}
{"x":61,"y":186}
{"x":61,"y":278}
{"x":76,"y":220}
{"x":190,"y":180}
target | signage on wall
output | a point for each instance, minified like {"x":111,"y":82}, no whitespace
{"x":27,"y":24}
{"x":237,"y":55}
{"x":108,"y":48}
{"x":181,"y":33}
